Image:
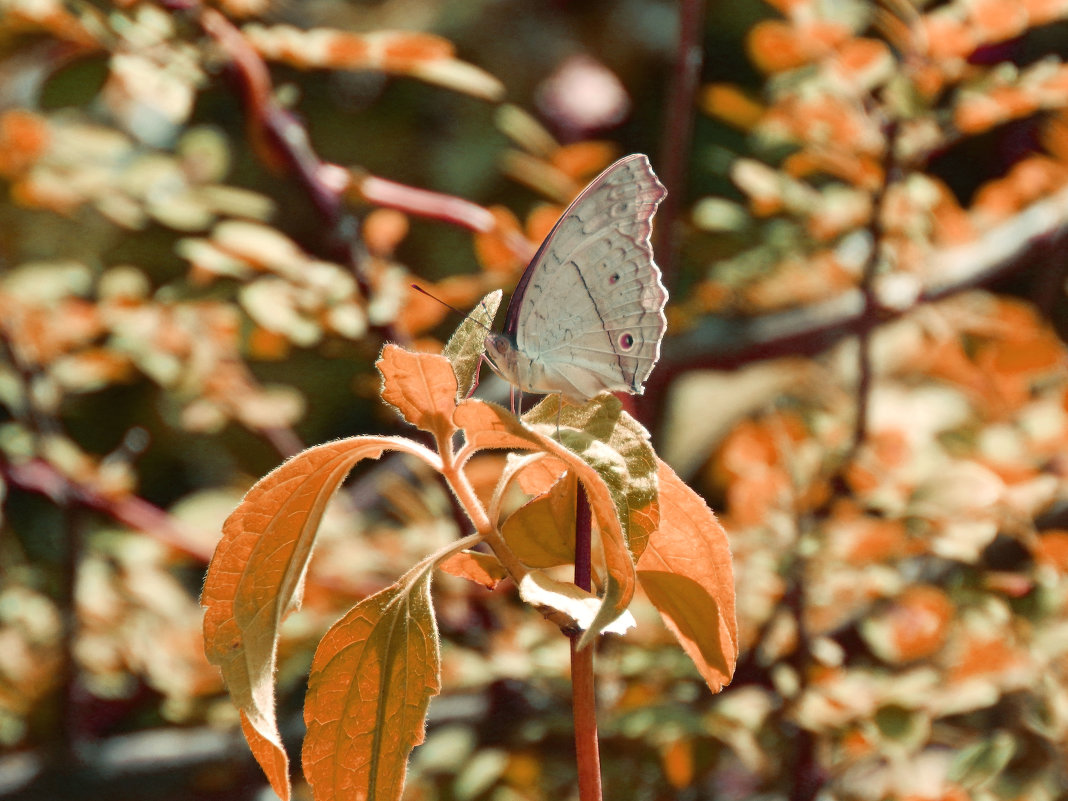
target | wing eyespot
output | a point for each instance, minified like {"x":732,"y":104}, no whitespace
{"x":626,"y":341}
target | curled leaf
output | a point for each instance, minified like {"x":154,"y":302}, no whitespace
{"x":541,"y":533}
{"x":568,"y":606}
{"x":481,"y":568}
{"x":628,"y":464}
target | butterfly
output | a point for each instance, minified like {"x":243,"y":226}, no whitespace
{"x":588,"y":314}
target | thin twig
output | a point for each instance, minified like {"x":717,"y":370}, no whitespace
{"x":872,"y":307}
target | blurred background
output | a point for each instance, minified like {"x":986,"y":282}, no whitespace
{"x":209,"y":221}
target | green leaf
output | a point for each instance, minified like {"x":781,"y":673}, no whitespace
{"x":616,"y":445}
{"x":467,"y":343}
{"x":487,"y":425}
{"x":980,"y":763}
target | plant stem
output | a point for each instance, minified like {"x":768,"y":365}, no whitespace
{"x":584,"y":699}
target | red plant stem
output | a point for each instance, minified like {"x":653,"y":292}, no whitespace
{"x":583,"y":546}
{"x":584,"y":699}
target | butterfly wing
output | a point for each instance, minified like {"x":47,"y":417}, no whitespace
{"x":588,"y":312}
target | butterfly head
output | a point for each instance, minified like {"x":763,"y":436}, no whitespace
{"x":503,"y":357}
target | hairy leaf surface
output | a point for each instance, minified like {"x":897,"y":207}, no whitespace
{"x":686,"y":572}
{"x":256,"y":577}
{"x":371,"y":682}
{"x":421,"y":387}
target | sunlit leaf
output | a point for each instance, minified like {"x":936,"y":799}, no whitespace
{"x":978,"y":764}
{"x":486,"y":425}
{"x":914,"y":626}
{"x":495,"y":247}
{"x":256,"y":577}
{"x":541,"y":533}
{"x":627,"y":465}
{"x":370,"y":685}
{"x":481,"y":568}
{"x":490,"y":426}
{"x":567,"y":605}
{"x":420,"y":55}
{"x":686,"y":572}
{"x":421,"y":387}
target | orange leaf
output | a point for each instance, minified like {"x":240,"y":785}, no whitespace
{"x":370,"y":685}
{"x":541,"y":219}
{"x":985,"y":655}
{"x":403,"y":49}
{"x":863,"y":61}
{"x":730,"y":104}
{"x":384,"y":229}
{"x":686,"y":572}
{"x":481,"y":568}
{"x":1051,"y":549}
{"x":486,"y":425}
{"x":540,"y":476}
{"x":494,"y":248}
{"x":270,"y":756}
{"x":345,"y":49}
{"x":542,"y":532}
{"x":583,"y":160}
{"x":997,"y":19}
{"x":421,"y":387}
{"x":921,"y":616}
{"x":677,"y":758}
{"x":257,"y":574}
{"x":775,"y":46}
{"x":24,"y":137}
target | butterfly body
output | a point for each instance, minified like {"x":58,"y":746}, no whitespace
{"x":588,"y":314}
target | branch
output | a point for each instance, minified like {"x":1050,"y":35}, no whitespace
{"x":38,"y":475}
{"x":724,"y":343}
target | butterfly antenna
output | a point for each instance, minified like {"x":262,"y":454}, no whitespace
{"x":449,"y":306}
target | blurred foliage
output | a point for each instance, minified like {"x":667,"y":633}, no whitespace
{"x":209,"y":222}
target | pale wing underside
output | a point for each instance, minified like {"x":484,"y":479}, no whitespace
{"x":590,"y":308}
